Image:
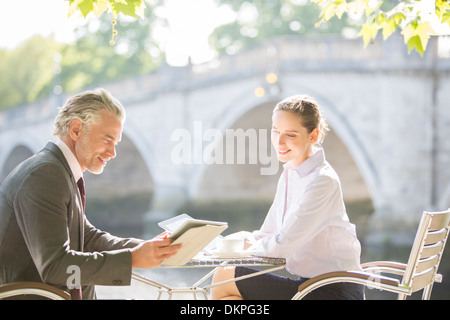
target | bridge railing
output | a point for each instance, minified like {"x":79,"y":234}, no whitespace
{"x":323,"y":54}
{"x":283,"y":54}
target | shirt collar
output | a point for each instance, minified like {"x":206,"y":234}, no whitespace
{"x":71,"y":160}
{"x":316,"y":159}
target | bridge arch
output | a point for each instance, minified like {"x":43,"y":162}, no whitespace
{"x":122,"y":195}
{"x":12,"y":158}
{"x":345,"y":131}
{"x":236,"y":108}
{"x":350,"y":138}
{"x":246,"y":101}
{"x":25,"y":141}
{"x":134,"y":134}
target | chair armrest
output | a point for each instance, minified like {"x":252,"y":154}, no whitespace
{"x":384,"y":267}
{"x":391,"y":267}
{"x":364,"y":278}
{"x":34,"y":288}
{"x":384,"y":264}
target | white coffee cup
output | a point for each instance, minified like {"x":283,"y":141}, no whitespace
{"x":225,"y":245}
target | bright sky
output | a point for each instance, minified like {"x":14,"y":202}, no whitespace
{"x":191,"y":21}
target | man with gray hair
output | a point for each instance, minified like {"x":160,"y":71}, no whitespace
{"x":44,"y":233}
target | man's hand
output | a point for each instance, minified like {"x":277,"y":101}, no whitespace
{"x":152,"y":253}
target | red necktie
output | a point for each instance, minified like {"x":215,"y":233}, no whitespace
{"x":76,"y":293}
{"x":80,"y":184}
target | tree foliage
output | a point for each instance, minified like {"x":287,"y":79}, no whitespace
{"x":260,"y":20}
{"x":33,"y":69}
{"x":413,"y":17}
{"x":26,"y":71}
{"x":91,"y":59}
{"x":132,"y":8}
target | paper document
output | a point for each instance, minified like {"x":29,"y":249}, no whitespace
{"x":194,"y":234}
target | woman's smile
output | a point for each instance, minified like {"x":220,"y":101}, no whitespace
{"x":292,"y":141}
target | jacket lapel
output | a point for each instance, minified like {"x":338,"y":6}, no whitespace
{"x":53,"y":148}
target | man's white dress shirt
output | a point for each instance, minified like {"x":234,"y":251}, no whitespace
{"x":71,"y":159}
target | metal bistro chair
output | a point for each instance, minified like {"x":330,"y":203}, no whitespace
{"x":15,"y":289}
{"x":418,"y":274}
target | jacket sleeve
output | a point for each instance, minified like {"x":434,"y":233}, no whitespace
{"x":43,"y":206}
{"x":98,"y":240}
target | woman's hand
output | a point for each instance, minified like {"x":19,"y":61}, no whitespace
{"x":247,"y":236}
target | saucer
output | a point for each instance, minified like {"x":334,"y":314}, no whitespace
{"x":231,"y":255}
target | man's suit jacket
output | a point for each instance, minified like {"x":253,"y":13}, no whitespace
{"x":44,"y":235}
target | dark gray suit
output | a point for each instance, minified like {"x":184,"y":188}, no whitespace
{"x":43,"y":232}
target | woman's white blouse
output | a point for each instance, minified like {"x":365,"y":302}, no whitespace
{"x":307,"y":223}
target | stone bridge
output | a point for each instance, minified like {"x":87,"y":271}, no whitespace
{"x":203,"y":131}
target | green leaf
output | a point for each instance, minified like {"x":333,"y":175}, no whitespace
{"x":408,"y":32}
{"x":128,"y":7}
{"x":423,"y":31}
{"x":391,"y":23}
{"x":368,"y":31}
{"x":398,"y":17}
{"x":86,"y":6}
{"x":443,"y":10}
{"x":388,"y":28}
{"x":417,"y":35}
{"x":100,"y":7}
{"x":415,"y":42}
{"x":446,"y":18}
{"x":340,"y":10}
{"x":357,"y":6}
{"x":329,"y":11}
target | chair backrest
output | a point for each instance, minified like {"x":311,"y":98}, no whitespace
{"x":427,"y":250}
